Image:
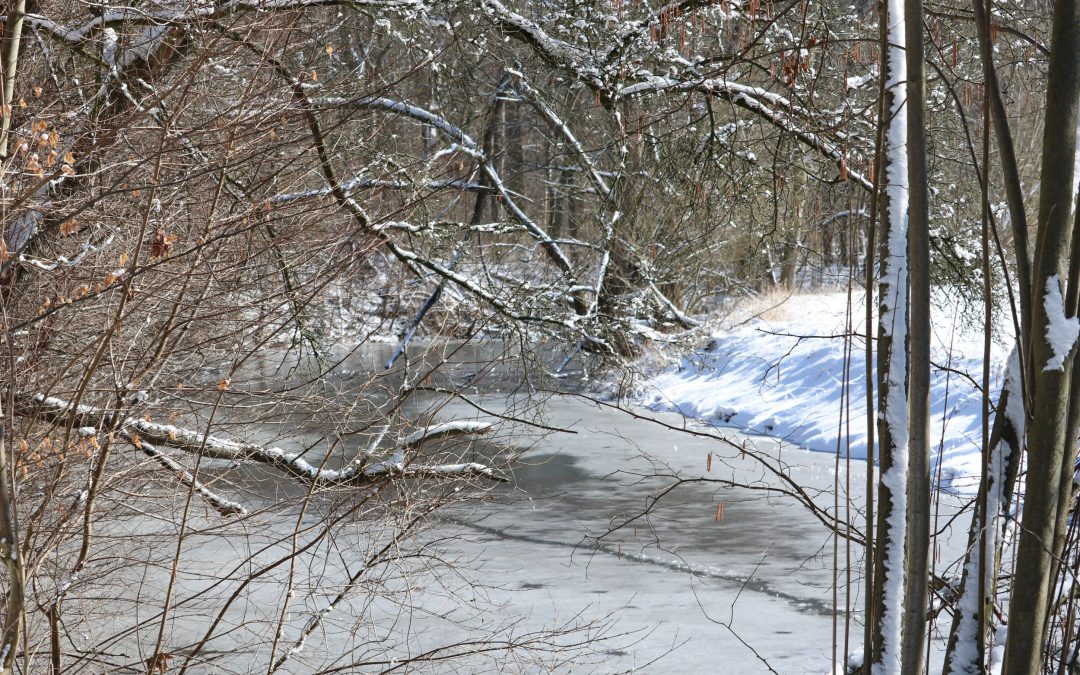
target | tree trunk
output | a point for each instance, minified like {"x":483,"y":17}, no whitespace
{"x":1050,"y":452}
{"x":917,"y":555}
{"x":889,"y":572}
{"x":9,"y":555}
{"x":966,"y":651}
{"x":12,"y":38}
{"x":514,"y":157}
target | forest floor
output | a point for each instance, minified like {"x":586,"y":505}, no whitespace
{"x":783,"y":366}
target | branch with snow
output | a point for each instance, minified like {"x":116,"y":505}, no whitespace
{"x":533,"y":97}
{"x":361,"y":183}
{"x":441,"y":226}
{"x":86,"y":248}
{"x":225,"y":507}
{"x":636,"y":30}
{"x":443,"y":431}
{"x":680,"y":316}
{"x":139,"y":432}
{"x":772,"y":107}
{"x":190,"y":14}
{"x":335,"y":188}
{"x":556,"y":52}
{"x":469,"y":146}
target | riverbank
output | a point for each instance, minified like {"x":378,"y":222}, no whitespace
{"x":794,"y":368}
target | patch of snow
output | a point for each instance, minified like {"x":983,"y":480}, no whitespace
{"x":1061,"y":331}
{"x":856,"y":81}
{"x":788,"y":373}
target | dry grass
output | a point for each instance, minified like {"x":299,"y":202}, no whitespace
{"x":770,"y":305}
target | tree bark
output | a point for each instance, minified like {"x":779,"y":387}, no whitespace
{"x":889,"y":572}
{"x":917,"y":555}
{"x":9,"y":555}
{"x":1048,"y":445}
{"x":12,"y":39}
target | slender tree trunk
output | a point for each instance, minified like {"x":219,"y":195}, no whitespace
{"x":1013,"y":188}
{"x":917,"y":555}
{"x":16,"y":12}
{"x":966,"y":651}
{"x":889,"y":572}
{"x":789,"y":265}
{"x":514,"y":137}
{"x":9,"y":555}
{"x":1050,"y":451}
{"x":967,"y":646}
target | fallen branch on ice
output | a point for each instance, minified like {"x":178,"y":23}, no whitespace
{"x":140,"y":432}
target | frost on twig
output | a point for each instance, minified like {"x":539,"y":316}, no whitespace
{"x":166,"y":16}
{"x":140,"y":432}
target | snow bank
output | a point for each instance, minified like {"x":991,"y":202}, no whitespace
{"x":785,"y":378}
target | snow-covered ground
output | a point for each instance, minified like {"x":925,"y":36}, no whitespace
{"x":784,"y":368}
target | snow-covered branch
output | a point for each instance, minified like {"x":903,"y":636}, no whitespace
{"x":225,"y":507}
{"x":469,"y":146}
{"x":359,"y":183}
{"x":442,"y":226}
{"x":680,"y":316}
{"x":85,"y":248}
{"x":139,"y":432}
{"x":186,"y":14}
{"x":772,"y":107}
{"x":635,"y":30}
{"x":533,"y":97}
{"x":443,"y":431}
{"x":556,"y":52}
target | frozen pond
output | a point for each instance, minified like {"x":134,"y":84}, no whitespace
{"x":687,"y":585}
{"x":707,"y":593}
{"x":723,"y":573}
